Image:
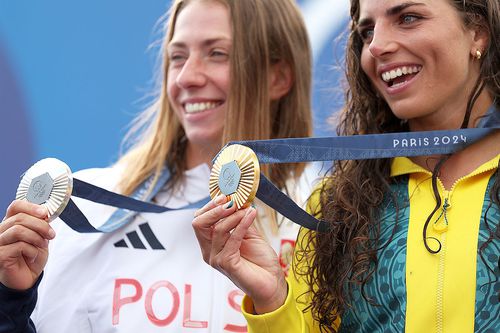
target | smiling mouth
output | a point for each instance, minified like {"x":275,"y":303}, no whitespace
{"x":200,"y":107}
{"x":400,"y":75}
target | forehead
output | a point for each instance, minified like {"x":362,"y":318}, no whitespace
{"x":208,"y":18}
{"x":375,"y":8}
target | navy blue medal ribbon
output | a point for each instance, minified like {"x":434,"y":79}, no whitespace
{"x":355,"y":147}
{"x":361,"y":147}
{"x":128,"y":206}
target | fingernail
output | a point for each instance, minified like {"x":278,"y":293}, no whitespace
{"x":229,"y":204}
{"x":41,"y":211}
{"x":52,"y":233}
{"x":249,"y":210}
{"x":253,"y":205}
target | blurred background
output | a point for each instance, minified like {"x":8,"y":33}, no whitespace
{"x":73,"y":74}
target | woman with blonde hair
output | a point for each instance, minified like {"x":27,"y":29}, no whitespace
{"x":231,"y":70}
{"x":413,"y":243}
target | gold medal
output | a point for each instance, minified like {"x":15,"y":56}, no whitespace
{"x":49,"y":183}
{"x":236,"y":174}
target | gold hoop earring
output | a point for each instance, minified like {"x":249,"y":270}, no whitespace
{"x":478,"y":55}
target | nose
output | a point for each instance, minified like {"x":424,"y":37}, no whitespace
{"x":192,"y":73}
{"x":383,"y":42}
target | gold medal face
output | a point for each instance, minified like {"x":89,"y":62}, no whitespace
{"x":236,"y":174}
{"x":48,"y":183}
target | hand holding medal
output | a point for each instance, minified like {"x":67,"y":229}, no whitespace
{"x":43,"y":193}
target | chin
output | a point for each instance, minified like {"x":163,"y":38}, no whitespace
{"x":407,"y":111}
{"x":204,"y":141}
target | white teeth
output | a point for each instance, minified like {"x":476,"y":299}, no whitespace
{"x":199,"y":107}
{"x":392,"y":74}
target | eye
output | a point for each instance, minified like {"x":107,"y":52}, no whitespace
{"x":176,"y":58}
{"x":408,"y":18}
{"x":219,"y":54}
{"x":366,"y":34}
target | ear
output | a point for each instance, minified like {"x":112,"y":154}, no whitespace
{"x":480,"y":39}
{"x":280,"y":80}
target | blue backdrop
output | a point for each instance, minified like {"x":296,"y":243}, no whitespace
{"x":73,"y":75}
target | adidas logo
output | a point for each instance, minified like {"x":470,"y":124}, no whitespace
{"x":136,"y":239}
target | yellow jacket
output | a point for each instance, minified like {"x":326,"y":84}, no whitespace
{"x":449,"y":292}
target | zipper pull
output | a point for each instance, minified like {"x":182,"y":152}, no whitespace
{"x":442,"y":226}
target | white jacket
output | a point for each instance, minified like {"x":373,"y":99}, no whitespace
{"x":146,"y":277}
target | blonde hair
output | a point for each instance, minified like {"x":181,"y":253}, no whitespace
{"x":264,"y":33}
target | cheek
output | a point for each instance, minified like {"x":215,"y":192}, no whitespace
{"x":367,"y":64}
{"x":221,"y":78}
{"x":172,"y":91}
{"x":171,"y":86}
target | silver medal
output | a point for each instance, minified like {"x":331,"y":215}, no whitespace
{"x":49,"y":183}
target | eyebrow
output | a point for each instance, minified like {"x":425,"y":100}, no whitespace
{"x":391,"y":12}
{"x":207,"y":42}
{"x":399,"y":8}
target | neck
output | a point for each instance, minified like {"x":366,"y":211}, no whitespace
{"x":464,"y":162}
{"x":199,"y":154}
{"x":453,"y":116}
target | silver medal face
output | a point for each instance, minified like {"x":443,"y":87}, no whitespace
{"x":48,"y":183}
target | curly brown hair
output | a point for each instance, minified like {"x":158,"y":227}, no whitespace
{"x":345,"y":258}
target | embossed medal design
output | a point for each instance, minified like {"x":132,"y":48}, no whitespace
{"x":48,"y":183}
{"x":236,"y":174}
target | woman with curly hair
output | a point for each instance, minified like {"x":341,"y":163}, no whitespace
{"x":413,"y":242}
